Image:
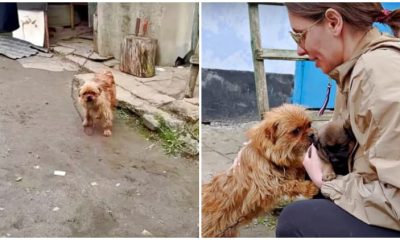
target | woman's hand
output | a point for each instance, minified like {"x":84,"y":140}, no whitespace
{"x":312,"y":164}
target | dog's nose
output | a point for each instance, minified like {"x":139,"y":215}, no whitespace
{"x":89,"y":98}
{"x":311,"y":137}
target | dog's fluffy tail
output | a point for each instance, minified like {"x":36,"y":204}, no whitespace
{"x":109,"y":77}
{"x":105,"y":79}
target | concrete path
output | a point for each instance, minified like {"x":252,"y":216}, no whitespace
{"x":122,"y":186}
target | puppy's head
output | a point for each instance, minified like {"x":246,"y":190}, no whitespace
{"x":334,"y":142}
{"x":283,"y":136}
{"x":89,"y":92}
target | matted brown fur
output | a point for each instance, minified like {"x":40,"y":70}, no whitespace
{"x":270,"y":167}
{"x":98,"y":98}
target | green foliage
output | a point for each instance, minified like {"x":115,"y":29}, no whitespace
{"x":171,"y":138}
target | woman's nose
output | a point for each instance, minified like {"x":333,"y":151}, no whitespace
{"x":301,"y":51}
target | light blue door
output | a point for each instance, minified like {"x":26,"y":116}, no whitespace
{"x":311,"y":83}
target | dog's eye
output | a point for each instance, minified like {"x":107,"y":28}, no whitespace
{"x":296,"y":131}
{"x":309,"y":125}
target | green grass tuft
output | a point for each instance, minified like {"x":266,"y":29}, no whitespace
{"x":171,"y":139}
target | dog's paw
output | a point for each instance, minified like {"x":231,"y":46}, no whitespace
{"x":310,"y":190}
{"x":328,"y":176}
{"x":107,"y":133}
{"x":88,"y":130}
{"x":85,"y":123}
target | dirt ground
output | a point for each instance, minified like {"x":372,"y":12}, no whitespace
{"x":113,"y":187}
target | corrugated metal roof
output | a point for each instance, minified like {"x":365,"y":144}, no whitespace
{"x":15,"y":48}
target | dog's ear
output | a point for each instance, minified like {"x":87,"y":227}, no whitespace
{"x":265,"y":129}
{"x":270,"y":131}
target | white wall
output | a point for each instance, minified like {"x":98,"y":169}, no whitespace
{"x":170,"y":23}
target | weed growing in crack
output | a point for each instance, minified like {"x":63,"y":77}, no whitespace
{"x":171,"y":139}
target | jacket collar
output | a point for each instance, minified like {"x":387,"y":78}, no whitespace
{"x":371,"y":38}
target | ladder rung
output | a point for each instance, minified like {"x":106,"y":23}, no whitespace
{"x":279,"y":54}
{"x":267,"y":3}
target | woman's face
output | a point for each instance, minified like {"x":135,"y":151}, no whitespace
{"x":319,"y":43}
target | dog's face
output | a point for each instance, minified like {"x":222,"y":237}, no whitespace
{"x":334,"y":142}
{"x":89,"y":92}
{"x":283,"y":135}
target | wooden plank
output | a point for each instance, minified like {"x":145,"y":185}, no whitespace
{"x":194,"y":72}
{"x":195,"y":27}
{"x":72,"y":15}
{"x":259,"y":72}
{"x":279,"y":54}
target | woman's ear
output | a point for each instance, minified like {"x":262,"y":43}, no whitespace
{"x":334,"y":20}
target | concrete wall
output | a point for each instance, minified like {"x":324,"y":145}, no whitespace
{"x":170,"y":23}
{"x":230,"y":96}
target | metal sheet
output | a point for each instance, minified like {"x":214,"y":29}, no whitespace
{"x":15,"y":48}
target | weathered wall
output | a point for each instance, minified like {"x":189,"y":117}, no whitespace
{"x":230,"y":96}
{"x":170,"y":24}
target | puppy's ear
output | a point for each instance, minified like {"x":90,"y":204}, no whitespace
{"x":347,"y":128}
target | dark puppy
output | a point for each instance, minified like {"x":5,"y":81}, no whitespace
{"x":334,"y":142}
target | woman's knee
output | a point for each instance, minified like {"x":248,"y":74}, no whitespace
{"x":288,"y":220}
{"x":301,"y":218}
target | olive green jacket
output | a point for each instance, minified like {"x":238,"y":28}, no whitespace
{"x":369,"y":95}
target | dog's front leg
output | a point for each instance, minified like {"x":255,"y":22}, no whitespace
{"x":107,"y":123}
{"x":87,"y":121}
{"x":294,"y":188}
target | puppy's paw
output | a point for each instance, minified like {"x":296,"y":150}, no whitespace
{"x":107,"y":133}
{"x":328,"y":176}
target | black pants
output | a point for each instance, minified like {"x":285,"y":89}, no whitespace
{"x":323,"y":218}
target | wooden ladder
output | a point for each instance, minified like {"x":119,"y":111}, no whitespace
{"x":259,"y":54}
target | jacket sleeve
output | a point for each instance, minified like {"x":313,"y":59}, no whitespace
{"x":371,"y":192}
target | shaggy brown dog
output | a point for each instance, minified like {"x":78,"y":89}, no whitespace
{"x":334,"y":142}
{"x":270,"y":167}
{"x":98,"y":100}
